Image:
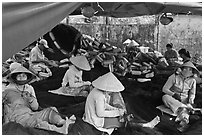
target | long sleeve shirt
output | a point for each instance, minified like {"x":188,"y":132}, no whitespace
{"x":36,"y":55}
{"x":27,"y":88}
{"x":185,"y":87}
{"x":96,"y":109}
{"x":73,"y":77}
{"x":18,"y":107}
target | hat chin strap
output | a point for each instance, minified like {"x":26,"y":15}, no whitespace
{"x":79,"y":69}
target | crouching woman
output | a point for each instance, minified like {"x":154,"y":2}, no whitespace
{"x":98,"y":112}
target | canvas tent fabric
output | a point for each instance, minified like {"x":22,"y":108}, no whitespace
{"x":132,"y":9}
{"x":25,"y":22}
{"x":139,"y":105}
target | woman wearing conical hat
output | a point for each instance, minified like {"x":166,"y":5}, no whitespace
{"x":73,"y":77}
{"x":185,"y":55}
{"x":180,"y":90}
{"x":98,"y":112}
{"x":21,"y":105}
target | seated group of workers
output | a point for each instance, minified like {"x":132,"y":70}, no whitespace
{"x":104,"y":104}
{"x":21,"y":105}
{"x":172,"y":55}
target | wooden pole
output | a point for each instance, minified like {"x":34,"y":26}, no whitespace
{"x":157,"y":24}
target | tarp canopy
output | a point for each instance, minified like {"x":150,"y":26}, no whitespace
{"x":132,"y":9}
{"x":25,"y":22}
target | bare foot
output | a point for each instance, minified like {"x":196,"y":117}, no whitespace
{"x":61,"y":122}
{"x":72,"y":118}
{"x":152,"y":123}
{"x":64,"y":128}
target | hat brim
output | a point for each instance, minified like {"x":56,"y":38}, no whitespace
{"x":80,"y":62}
{"x":29,"y":75}
{"x":12,"y":76}
{"x":108,"y":82}
{"x":190,"y":64}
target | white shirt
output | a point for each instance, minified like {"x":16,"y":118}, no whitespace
{"x":73,"y":76}
{"x":96,"y":110}
{"x":36,"y":54}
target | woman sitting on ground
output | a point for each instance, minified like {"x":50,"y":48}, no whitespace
{"x":106,"y":112}
{"x":21,"y":105}
{"x":98,"y":112}
{"x":185,"y":55}
{"x":180,"y":90}
{"x":72,"y":81}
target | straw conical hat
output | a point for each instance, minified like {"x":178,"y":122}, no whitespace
{"x":108,"y":82}
{"x":80,"y":62}
{"x":12,"y":67}
{"x":190,"y":64}
{"x":127,"y":41}
{"x":133,"y":43}
{"x":21,"y":69}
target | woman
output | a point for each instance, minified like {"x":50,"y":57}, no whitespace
{"x":171,"y":54}
{"x":21,"y":105}
{"x":180,"y":90}
{"x":38,"y":63}
{"x":185,"y":55}
{"x":72,"y":81}
{"x":98,"y":112}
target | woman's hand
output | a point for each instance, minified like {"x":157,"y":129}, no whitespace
{"x":121,"y":112}
{"x":87,"y":83}
{"x":191,"y":101}
{"x":189,"y":106}
{"x":177,"y":96}
{"x":26,"y":95}
{"x":30,"y":97}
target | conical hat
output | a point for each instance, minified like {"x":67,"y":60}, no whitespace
{"x":190,"y":64}
{"x":80,"y":62}
{"x":12,"y":67}
{"x":108,"y":82}
{"x":21,"y":69}
{"x":133,"y":43}
{"x":127,"y":41}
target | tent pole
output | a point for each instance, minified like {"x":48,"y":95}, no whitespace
{"x":157,"y":24}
